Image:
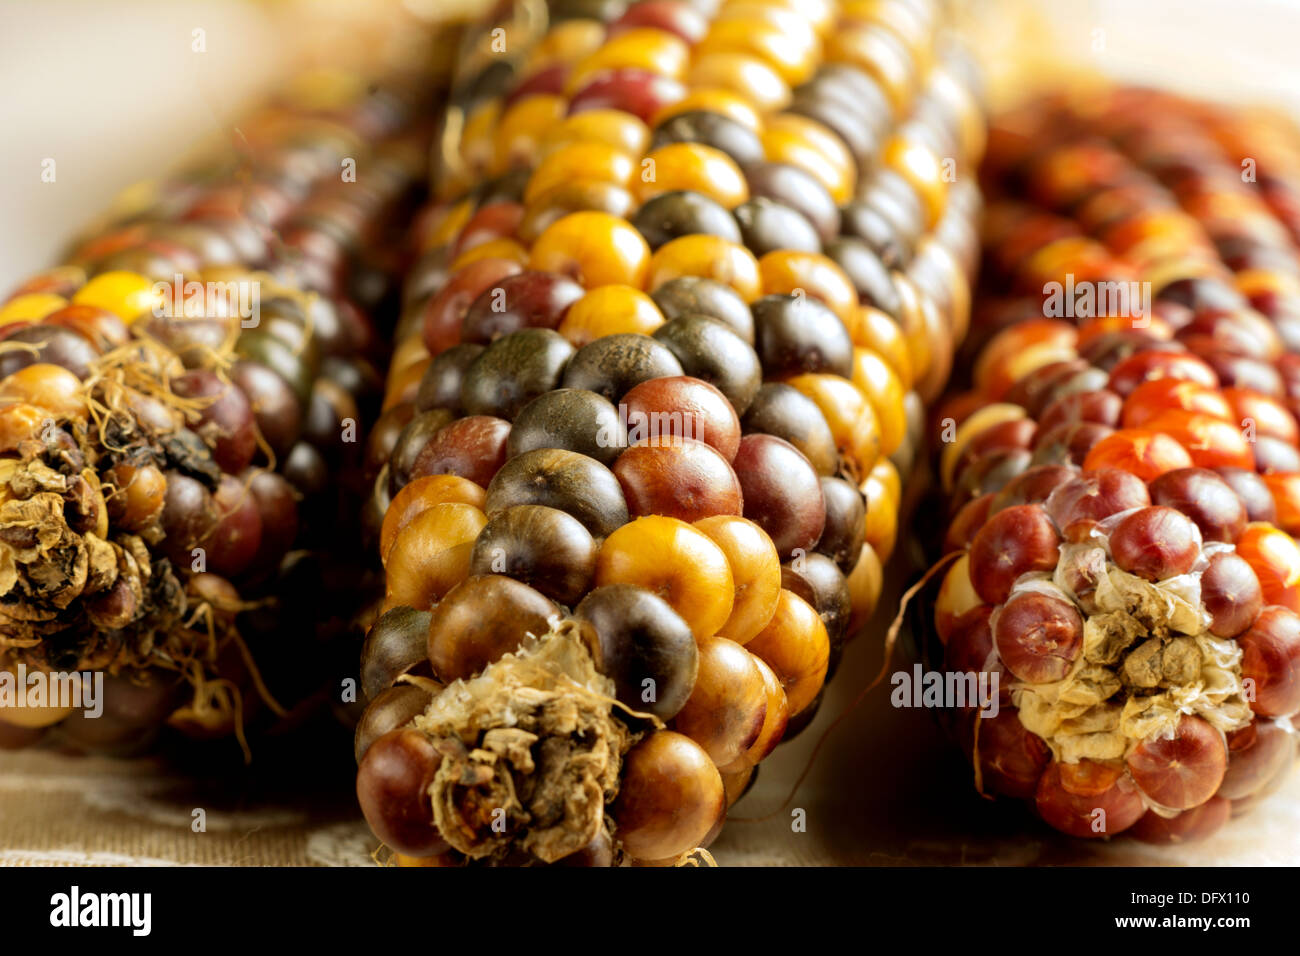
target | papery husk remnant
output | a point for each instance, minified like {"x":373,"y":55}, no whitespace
{"x":1147,"y":659}
{"x":79,"y":594}
{"x":531,"y":751}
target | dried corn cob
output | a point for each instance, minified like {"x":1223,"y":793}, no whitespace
{"x":633,"y":482}
{"x":1122,"y":477}
{"x":177,"y":404}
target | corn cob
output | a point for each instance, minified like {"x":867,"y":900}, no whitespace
{"x":174,"y":401}
{"x":694,"y":273}
{"x":1122,"y":476}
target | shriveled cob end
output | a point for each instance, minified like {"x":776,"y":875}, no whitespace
{"x":548,"y":759}
{"x":658,"y":375}
{"x":170,"y":403}
{"x":120,"y":529}
{"x":70,"y":589}
{"x":1120,"y":481}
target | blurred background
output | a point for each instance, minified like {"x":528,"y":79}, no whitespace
{"x":117,"y":92}
{"x":1234,"y":50}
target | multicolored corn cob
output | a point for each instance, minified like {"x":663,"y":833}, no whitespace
{"x":1122,"y":476}
{"x":179,"y":406}
{"x":696,"y":268}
